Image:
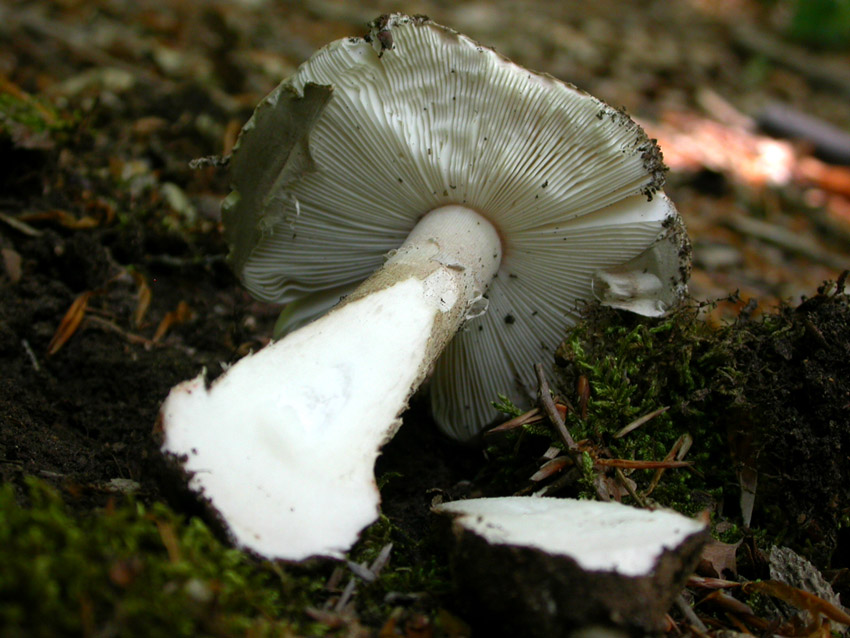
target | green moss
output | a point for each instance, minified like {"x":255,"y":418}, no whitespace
{"x":635,"y":366}
{"x":823,"y":24}
{"x":416,"y":568}
{"x":136,"y":570}
{"x":24,"y":114}
{"x":766,"y":394}
{"x":506,"y":406}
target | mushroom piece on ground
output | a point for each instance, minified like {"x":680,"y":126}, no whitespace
{"x":475,"y":198}
{"x":544,"y":566}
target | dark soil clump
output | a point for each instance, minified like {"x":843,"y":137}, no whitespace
{"x":796,"y":366}
{"x":764,"y":401}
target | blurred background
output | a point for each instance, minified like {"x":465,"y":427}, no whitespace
{"x":748,"y":98}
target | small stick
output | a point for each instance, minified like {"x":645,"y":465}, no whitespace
{"x":573,"y":450}
{"x":30,"y":354}
{"x":690,"y":615}
{"x":625,"y":482}
{"x":553,"y":414}
{"x":367,"y":573}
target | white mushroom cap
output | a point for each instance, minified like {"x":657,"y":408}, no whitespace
{"x":339,"y":162}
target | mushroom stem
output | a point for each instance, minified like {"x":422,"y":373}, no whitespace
{"x":283,"y":445}
{"x":457,"y":252}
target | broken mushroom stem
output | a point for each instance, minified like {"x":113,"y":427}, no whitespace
{"x":455,"y":252}
{"x":339,"y":385}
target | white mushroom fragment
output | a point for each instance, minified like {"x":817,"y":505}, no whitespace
{"x":544,"y":566}
{"x":471,"y":195}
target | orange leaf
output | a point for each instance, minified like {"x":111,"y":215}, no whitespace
{"x":70,"y":322}
{"x":799,"y":599}
{"x":583,"y":391}
{"x":182,"y":313}
{"x":63,"y":218}
{"x":550,"y":468}
{"x":144,"y":298}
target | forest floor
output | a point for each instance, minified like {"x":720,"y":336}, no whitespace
{"x":113,"y":281}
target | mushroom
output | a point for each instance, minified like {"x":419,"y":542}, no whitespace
{"x":478,"y":200}
{"x":533,"y":566}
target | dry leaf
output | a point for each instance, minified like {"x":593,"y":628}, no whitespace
{"x":532,"y":416}
{"x":701,"y":582}
{"x":799,"y":599}
{"x":718,"y":558}
{"x":70,"y":322}
{"x":634,"y":425}
{"x":615,"y":488}
{"x":12,"y":264}
{"x":143,"y":296}
{"x":179,"y":315}
{"x":63,"y":218}
{"x":583,"y":392}
{"x":726,"y":601}
{"x":550,"y":468}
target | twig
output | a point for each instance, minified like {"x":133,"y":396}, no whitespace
{"x":690,"y":615}
{"x":20,"y":226}
{"x":368,"y":574}
{"x":572,"y":448}
{"x":111,"y":327}
{"x":553,"y":414}
{"x":827,"y":141}
{"x":625,"y":482}
{"x":30,"y":354}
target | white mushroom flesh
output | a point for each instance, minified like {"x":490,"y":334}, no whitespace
{"x":283,"y":444}
{"x":600,"y":537}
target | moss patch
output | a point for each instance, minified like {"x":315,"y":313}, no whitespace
{"x":767,"y":396}
{"x":761,"y":402}
{"x":134,"y":570}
